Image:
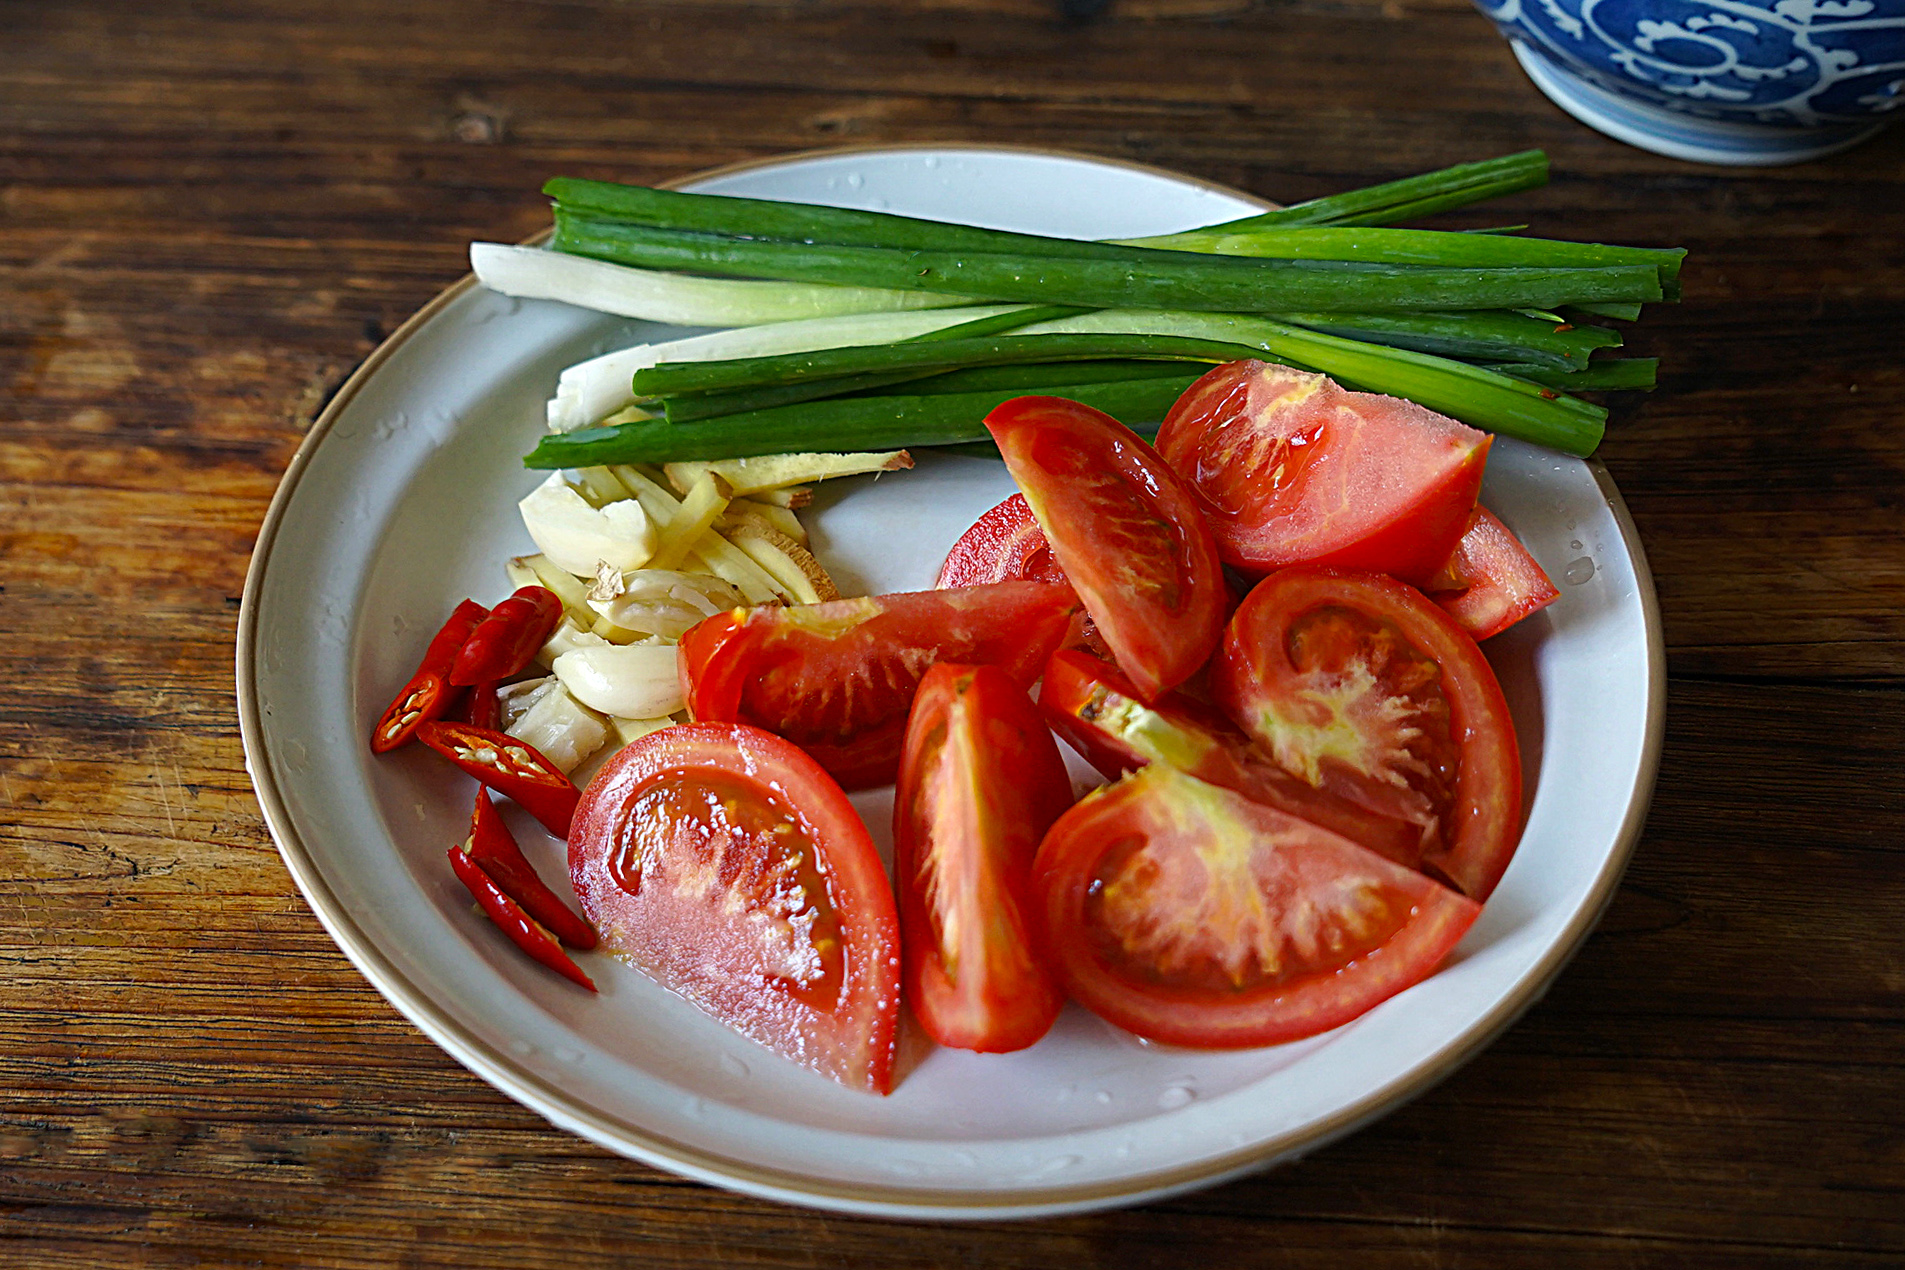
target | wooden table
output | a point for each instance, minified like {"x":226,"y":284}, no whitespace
{"x":210,"y":213}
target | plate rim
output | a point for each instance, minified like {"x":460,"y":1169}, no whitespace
{"x":562,"y":1109}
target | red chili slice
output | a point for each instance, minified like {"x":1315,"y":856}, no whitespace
{"x":523,"y":930}
{"x":483,"y":708}
{"x":508,"y":637}
{"x":491,"y":845}
{"x":428,"y":694}
{"x":510,"y":767}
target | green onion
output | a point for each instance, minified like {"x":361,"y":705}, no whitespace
{"x":1613,"y":375}
{"x":1410,"y":197}
{"x":842,"y":424}
{"x":1149,"y":279}
{"x":803,"y":223}
{"x":1043,"y":379}
{"x":1421,"y":247}
{"x":1036,"y":377}
{"x":532,"y":273}
{"x":1622,"y":312}
{"x":1478,"y":397}
{"x":592,"y":390}
{"x":1486,"y":336}
{"x":669,"y":378}
{"x":689,"y":406}
{"x":1000,"y":323}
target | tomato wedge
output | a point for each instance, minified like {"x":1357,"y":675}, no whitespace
{"x":1189,"y":914}
{"x":1004,"y":545}
{"x":727,"y":866}
{"x":1126,"y":531}
{"x":1295,"y":469}
{"x":838,"y":678}
{"x":1357,"y":684}
{"x":1096,"y":709}
{"x":1490,"y":582}
{"x":980,"y":783}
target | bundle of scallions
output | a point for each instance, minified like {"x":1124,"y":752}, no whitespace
{"x":853,"y":330}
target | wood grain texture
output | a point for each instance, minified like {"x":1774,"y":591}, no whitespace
{"x":210,"y":212}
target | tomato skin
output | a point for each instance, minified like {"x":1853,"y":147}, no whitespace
{"x":980,"y":783}
{"x":1294,"y":469}
{"x":1004,"y":545}
{"x":838,"y":678}
{"x":1310,"y":667}
{"x":1142,"y":886}
{"x":728,"y":866}
{"x":1128,"y":533}
{"x":1096,"y":709}
{"x":1490,"y":581}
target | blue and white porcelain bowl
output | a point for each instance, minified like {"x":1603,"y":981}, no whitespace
{"x":1757,"y":82}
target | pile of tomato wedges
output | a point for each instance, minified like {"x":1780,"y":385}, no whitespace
{"x":1262,"y":630}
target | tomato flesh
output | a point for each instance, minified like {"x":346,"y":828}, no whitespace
{"x":1357,"y":685}
{"x":838,"y":678}
{"x":1490,"y":581}
{"x":980,"y":783}
{"x":1295,"y":469}
{"x":1004,"y":545}
{"x":1126,"y":531}
{"x":1189,"y":914}
{"x":1095,"y":709}
{"x":726,"y":865}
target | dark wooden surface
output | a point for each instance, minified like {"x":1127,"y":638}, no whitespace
{"x":210,"y":212}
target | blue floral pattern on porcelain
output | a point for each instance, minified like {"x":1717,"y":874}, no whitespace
{"x":1786,"y":63}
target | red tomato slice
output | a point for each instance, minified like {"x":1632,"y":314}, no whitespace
{"x":1490,"y":582}
{"x":1004,"y":545}
{"x":1295,"y":469}
{"x":1189,"y":914}
{"x":1127,"y":532}
{"x":1360,"y":686}
{"x":727,"y":866}
{"x":1096,"y":709}
{"x":838,"y":678}
{"x":980,"y":784}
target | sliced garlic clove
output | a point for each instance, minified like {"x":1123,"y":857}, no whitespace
{"x":578,"y":537}
{"x":631,"y":681}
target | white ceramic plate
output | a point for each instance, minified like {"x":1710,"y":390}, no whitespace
{"x":401,"y":502}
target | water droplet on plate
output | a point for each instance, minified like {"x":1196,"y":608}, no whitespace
{"x":1175,"y":1096}
{"x":1575,"y":543}
{"x":523,"y":1048}
{"x":1578,"y":571}
{"x":855,"y":180}
{"x":567,"y":1055}
{"x":733,"y":1066}
{"x":1103,"y":1095}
